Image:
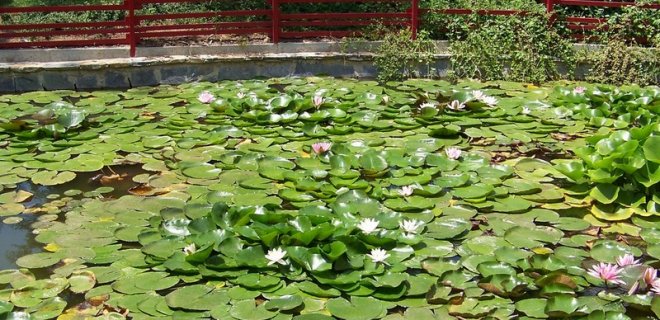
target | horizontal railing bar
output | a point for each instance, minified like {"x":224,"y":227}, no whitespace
{"x":73,"y":8}
{"x":63,"y":33}
{"x":348,"y":15}
{"x":63,"y":43}
{"x":62,"y":25}
{"x":233,"y":13}
{"x":200,"y":33}
{"x":205,"y":25}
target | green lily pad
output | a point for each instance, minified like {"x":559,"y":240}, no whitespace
{"x":358,"y":308}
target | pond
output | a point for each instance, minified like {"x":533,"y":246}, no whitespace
{"x":322,"y":198}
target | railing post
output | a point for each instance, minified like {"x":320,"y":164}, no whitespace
{"x":414,"y":18}
{"x":550,"y":8}
{"x":132,"y":40}
{"x":275,"y":18}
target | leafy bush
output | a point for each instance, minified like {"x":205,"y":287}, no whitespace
{"x":517,"y":48}
{"x":400,"y":56}
{"x":618,"y":63}
{"x":622,"y":60}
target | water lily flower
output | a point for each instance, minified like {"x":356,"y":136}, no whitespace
{"x":368,"y":225}
{"x":655,"y":287}
{"x":491,"y":101}
{"x":606,"y":272}
{"x":317,"y":101}
{"x":406,"y":190}
{"x":526,"y":110}
{"x":456,"y":105}
{"x":627,"y":260}
{"x":579,"y":90}
{"x":206,"y":97}
{"x":427,"y":105}
{"x":378,"y":255}
{"x":240,"y":95}
{"x":276,"y":256}
{"x":478,"y":94}
{"x":411,"y":226}
{"x":190,"y":249}
{"x":453,"y":152}
{"x":386,"y":99}
{"x":321,"y":147}
{"x":650,"y":276}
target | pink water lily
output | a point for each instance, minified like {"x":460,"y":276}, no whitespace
{"x":206,"y":97}
{"x":406,"y":190}
{"x":655,"y":287}
{"x":650,"y":276}
{"x":606,"y":272}
{"x":627,"y":260}
{"x":579,"y":90}
{"x":321,"y":147}
{"x":453,"y":153}
{"x":317,"y":101}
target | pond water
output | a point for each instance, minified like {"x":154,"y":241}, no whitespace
{"x":17,"y":239}
{"x":322,"y":198}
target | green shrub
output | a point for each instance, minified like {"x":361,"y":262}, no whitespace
{"x":619,"y":63}
{"x":516,"y":48}
{"x":400,"y":56}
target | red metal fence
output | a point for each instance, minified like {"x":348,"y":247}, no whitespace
{"x":272,"y":21}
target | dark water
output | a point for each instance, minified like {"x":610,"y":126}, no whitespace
{"x":17,"y":240}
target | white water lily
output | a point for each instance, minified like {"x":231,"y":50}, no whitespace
{"x":386,"y":99}
{"x":406,"y":190}
{"x":411,"y":226}
{"x":190,"y":249}
{"x":456,"y":105}
{"x":427,"y":105}
{"x":240,"y":95}
{"x":453,"y":153}
{"x":378,"y":255}
{"x":526,"y":110}
{"x":368,"y":225}
{"x":276,"y":256}
{"x":478,"y":94}
{"x":491,"y":101}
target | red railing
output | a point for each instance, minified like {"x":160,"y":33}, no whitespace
{"x":273,"y":21}
{"x":583,"y":27}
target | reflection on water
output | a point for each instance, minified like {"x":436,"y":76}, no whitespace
{"x":17,"y":240}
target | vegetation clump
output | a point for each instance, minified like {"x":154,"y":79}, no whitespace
{"x":322,"y":198}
